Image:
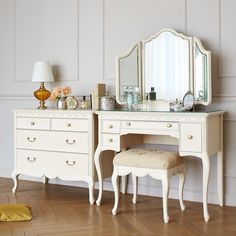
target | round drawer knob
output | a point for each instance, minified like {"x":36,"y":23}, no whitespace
{"x":32,"y":123}
{"x":68,"y":124}
{"x":110,"y":126}
{"x":169,"y":125}
{"x":128,"y":123}
{"x":190,"y":137}
{"x":110,"y":140}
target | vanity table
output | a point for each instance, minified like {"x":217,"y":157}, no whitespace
{"x":166,"y":68}
{"x":200,"y":134}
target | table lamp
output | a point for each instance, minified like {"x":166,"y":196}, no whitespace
{"x":42,"y":73}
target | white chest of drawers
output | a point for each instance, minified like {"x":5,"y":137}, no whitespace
{"x":55,"y":143}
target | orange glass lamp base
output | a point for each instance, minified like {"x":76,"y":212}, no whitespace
{"x":42,"y":94}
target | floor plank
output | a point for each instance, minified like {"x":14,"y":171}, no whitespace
{"x":64,"y":211}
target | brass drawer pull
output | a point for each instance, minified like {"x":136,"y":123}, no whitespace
{"x":110,"y":140}
{"x":31,"y":140}
{"x":190,"y":137}
{"x":31,"y":159}
{"x":32,"y":123}
{"x":69,"y":142}
{"x":110,"y":126}
{"x":68,"y":124}
{"x":169,"y":125}
{"x":128,"y":124}
{"x":70,"y":164}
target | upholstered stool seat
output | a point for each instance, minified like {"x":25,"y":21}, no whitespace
{"x":155,"y":163}
{"x":143,"y":158}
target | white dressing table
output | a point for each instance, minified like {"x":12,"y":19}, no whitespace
{"x":200,"y":134}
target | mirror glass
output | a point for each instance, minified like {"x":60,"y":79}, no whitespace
{"x":201,"y":74}
{"x":129,"y":73}
{"x":166,"y":68}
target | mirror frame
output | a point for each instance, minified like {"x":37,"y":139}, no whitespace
{"x":118,"y":59}
{"x":193,"y":41}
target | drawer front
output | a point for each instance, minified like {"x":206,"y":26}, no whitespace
{"x":111,"y":141}
{"x":27,"y":159}
{"x":191,"y":137}
{"x":53,"y":163}
{"x":110,"y":126}
{"x":151,"y":125}
{"x":33,"y":123}
{"x":52,"y":141}
{"x":70,"y":124}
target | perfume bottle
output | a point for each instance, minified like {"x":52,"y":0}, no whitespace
{"x":83,"y":103}
{"x":152,"y":94}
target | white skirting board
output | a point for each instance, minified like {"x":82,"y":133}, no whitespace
{"x":189,"y":195}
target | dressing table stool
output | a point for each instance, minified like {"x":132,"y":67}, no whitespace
{"x":155,"y":163}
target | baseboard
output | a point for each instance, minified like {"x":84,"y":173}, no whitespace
{"x":189,"y":195}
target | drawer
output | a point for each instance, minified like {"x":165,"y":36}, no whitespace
{"x":110,"y":126}
{"x":191,"y":137}
{"x":150,"y":125}
{"x":33,"y":123}
{"x":111,"y":141}
{"x":52,"y":163}
{"x":52,"y":141}
{"x":70,"y":124}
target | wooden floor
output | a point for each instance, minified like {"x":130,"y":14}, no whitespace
{"x":65,"y":211}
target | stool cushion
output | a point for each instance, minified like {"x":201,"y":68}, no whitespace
{"x":145,"y":158}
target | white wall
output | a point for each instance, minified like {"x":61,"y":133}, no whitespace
{"x":83,"y":43}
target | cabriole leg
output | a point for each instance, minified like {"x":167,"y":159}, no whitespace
{"x":206,"y":172}
{"x":114,"y":180}
{"x":165,"y":189}
{"x":15,"y":179}
{"x":134,"y":178}
{"x":181,"y":187}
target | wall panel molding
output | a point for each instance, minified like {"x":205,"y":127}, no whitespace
{"x":223,"y":26}
{"x":223,"y":95}
{"x":16,"y":98}
{"x":42,"y":39}
{"x":123,"y":26}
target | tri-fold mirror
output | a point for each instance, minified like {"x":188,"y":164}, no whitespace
{"x":167,"y":64}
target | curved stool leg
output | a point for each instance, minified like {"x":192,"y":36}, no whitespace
{"x":124,"y":184}
{"x":165,"y":189}
{"x":114,"y":180}
{"x":181,"y":187}
{"x":135,"y":186}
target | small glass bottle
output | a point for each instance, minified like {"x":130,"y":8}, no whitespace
{"x":130,"y":98}
{"x":83,"y":103}
{"x":152,"y":94}
{"x":136,"y":98}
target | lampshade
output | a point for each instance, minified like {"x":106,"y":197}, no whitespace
{"x":42,"y":72}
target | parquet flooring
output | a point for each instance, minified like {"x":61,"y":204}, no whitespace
{"x":65,"y":211}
